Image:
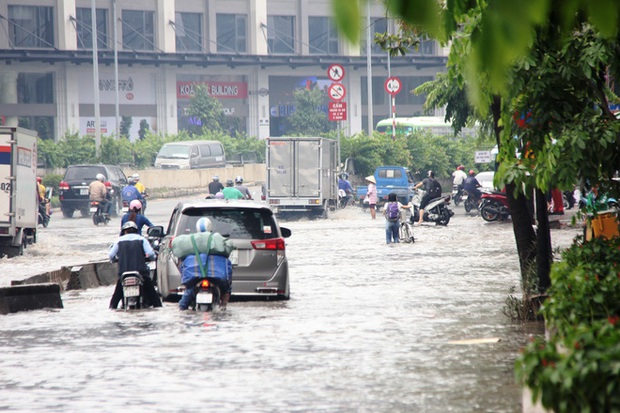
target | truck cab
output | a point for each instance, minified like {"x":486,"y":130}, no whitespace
{"x":397,"y":179}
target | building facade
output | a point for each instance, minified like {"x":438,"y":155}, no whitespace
{"x":252,"y":55}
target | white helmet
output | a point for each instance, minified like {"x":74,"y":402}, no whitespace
{"x":204,"y":225}
{"x":239,"y":180}
{"x":216,"y":178}
{"x":129,"y":225}
{"x":135,"y":177}
{"x":100,"y":177}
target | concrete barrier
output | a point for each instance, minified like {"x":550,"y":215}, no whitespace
{"x":29,"y":297}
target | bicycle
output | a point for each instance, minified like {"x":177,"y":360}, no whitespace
{"x":405,"y":229}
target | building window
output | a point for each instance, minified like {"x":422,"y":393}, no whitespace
{"x":231,"y":33}
{"x":281,"y":34}
{"x":188,"y":32}
{"x":377,"y":25}
{"x":83,"y":27}
{"x":323,"y":36}
{"x":31,"y":26}
{"x":35,"y":88}
{"x":138,"y":30}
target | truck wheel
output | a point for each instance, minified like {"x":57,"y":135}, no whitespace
{"x":85,"y":212}
{"x":67,"y":213}
{"x":116,"y":206}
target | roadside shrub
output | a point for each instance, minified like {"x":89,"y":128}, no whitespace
{"x":578,"y":369}
{"x":52,"y":181}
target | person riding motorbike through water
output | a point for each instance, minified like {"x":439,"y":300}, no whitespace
{"x":471,"y":185}
{"x":230,"y":192}
{"x":130,"y":192}
{"x":141,"y":188}
{"x":242,"y":188}
{"x":97,"y":191}
{"x":345,"y":185}
{"x":43,"y":201}
{"x":217,"y":266}
{"x":458,"y":177}
{"x":135,"y":214}
{"x":433,"y":190}
{"x":131,"y":251}
{"x":215,"y":186}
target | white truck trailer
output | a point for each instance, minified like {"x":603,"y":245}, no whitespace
{"x":302,"y":175}
{"x":18,"y":190}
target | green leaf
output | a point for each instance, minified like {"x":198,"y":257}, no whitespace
{"x":348,"y":19}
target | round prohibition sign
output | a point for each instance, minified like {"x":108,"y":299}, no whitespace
{"x":335,"y":73}
{"x":393,"y":85}
{"x":336,"y":92}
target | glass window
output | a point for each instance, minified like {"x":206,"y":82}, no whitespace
{"x":35,"y":88}
{"x":188,"y":32}
{"x":205,"y":151}
{"x":138,"y":30}
{"x":323,"y":36}
{"x":83,"y":27}
{"x":281,"y":34}
{"x":377,"y":25}
{"x":237,"y":223}
{"x":231,"y":33}
{"x":31,"y":26}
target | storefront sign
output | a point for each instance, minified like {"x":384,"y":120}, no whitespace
{"x":219,"y":90}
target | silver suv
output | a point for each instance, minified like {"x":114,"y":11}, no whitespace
{"x":260,"y":267}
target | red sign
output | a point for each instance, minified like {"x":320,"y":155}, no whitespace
{"x":337,"y":111}
{"x":393,"y":85}
{"x":335,"y":73}
{"x":219,"y":90}
{"x":336,"y":91}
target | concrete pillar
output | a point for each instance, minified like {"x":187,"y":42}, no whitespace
{"x":67,"y":37}
{"x":165,"y":38}
{"x":258,"y":82}
{"x":167,"y":121}
{"x":67,"y":100}
{"x":258,"y":15}
{"x":8,"y":92}
{"x":353,"y":82}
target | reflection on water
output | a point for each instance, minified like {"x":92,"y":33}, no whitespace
{"x":368,"y":328}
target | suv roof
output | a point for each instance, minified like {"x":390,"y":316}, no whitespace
{"x":88,"y":172}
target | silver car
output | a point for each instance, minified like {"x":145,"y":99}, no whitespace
{"x":260,"y":267}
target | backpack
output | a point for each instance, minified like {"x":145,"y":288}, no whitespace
{"x":392,"y":213}
{"x":435,"y":188}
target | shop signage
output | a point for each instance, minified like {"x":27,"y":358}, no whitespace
{"x":219,"y":90}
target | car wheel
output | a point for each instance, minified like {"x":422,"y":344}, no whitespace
{"x":67,"y":213}
{"x":85,"y":212}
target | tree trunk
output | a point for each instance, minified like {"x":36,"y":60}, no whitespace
{"x":525,"y":236}
{"x":543,"y":243}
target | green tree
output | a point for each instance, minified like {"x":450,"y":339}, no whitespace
{"x":309,"y":119}
{"x":207,"y":109}
{"x":144,"y":128}
{"x":125,"y":126}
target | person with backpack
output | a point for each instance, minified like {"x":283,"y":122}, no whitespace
{"x":433,"y":190}
{"x":391,"y":211}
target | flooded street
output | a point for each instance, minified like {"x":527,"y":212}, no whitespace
{"x":368,"y":328}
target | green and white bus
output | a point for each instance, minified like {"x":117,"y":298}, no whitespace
{"x":436,"y":125}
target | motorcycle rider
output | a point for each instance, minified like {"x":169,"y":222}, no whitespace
{"x":131,"y":250}
{"x":140,"y":187}
{"x":345,"y":186}
{"x":43,"y":201}
{"x":230,"y":192}
{"x":457,"y":178}
{"x":218,"y":266}
{"x":215,"y":186}
{"x":471,"y":185}
{"x":130,"y":192}
{"x":242,"y":188}
{"x":135,"y":214}
{"x":97,"y":191}
{"x":433,"y":190}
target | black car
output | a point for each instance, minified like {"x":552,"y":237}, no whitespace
{"x":74,"y":187}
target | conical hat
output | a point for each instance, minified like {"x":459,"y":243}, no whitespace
{"x":371,"y":178}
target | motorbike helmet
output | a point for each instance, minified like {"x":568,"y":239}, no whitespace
{"x":135,"y":205}
{"x":216,"y":178}
{"x":129,"y":226}
{"x":430,"y":174}
{"x":344,"y":175}
{"x":39,"y":180}
{"x":461,"y":168}
{"x":100,"y":177}
{"x":239,"y":180}
{"x":229,"y":182}
{"x":135,"y":177}
{"x":472,"y":172}
{"x":204,"y":225}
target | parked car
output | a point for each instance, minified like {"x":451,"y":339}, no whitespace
{"x":73,"y":189}
{"x":260,"y":266}
{"x":486,"y":180}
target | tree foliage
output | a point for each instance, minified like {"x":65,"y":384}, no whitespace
{"x":208,"y":110}
{"x":309,"y":119}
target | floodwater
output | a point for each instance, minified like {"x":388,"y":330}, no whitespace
{"x":368,"y":328}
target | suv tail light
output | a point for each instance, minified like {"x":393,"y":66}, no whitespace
{"x":63,"y":185}
{"x":276,"y":244}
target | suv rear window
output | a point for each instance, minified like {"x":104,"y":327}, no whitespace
{"x":233,"y":223}
{"x":86,"y":173}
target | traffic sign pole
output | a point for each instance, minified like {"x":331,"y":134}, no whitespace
{"x":393,"y":86}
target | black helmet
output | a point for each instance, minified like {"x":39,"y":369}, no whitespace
{"x":229,"y":182}
{"x":430,"y":174}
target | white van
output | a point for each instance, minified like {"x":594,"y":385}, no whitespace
{"x":191,"y":155}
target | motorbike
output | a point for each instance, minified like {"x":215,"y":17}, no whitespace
{"x":133,"y":295}
{"x":471,"y":204}
{"x":344,"y":199}
{"x":436,"y":211}
{"x":494,"y":206}
{"x":457,"y":194}
{"x":208,"y":294}
{"x":98,"y":216}
{"x":405,"y":230}
{"x":44,"y":219}
{"x":125,"y":207}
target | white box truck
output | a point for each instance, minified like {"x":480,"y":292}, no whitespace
{"x":18,"y":190}
{"x":302,"y":175}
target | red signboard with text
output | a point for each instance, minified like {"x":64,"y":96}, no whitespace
{"x":219,"y":90}
{"x":337,"y":111}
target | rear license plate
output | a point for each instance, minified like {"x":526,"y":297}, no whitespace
{"x":84,"y":191}
{"x":131,"y":291}
{"x":204,"y":298}
{"x":125,"y":209}
{"x":93,"y":209}
{"x":234,"y":257}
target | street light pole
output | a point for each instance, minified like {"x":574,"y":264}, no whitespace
{"x":369,"y":70}
{"x":95,"y":80}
